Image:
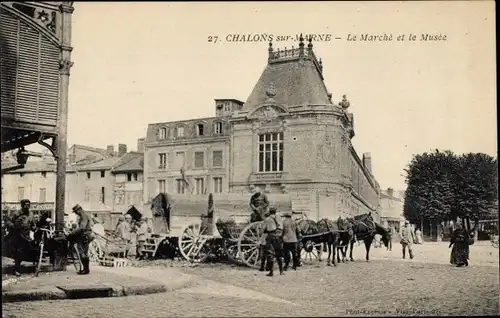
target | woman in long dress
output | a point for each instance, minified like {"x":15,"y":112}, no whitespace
{"x":460,"y":242}
{"x":418,"y":236}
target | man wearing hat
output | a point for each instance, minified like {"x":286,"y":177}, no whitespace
{"x":290,"y":233}
{"x":18,"y":241}
{"x":259,"y":205}
{"x":407,"y":239}
{"x":273,"y":227}
{"x":82,"y":236}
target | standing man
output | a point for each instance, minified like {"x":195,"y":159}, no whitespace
{"x":142,"y":231}
{"x":290,"y":233}
{"x":82,"y":236}
{"x":407,"y":239}
{"x":389,"y":231}
{"x":259,"y":205}
{"x":18,"y":241}
{"x":273,"y":227}
{"x":124,"y":231}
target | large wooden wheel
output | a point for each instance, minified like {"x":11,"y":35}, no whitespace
{"x":310,"y":250}
{"x":249,"y":244}
{"x":194,"y":243}
{"x":231,"y":249}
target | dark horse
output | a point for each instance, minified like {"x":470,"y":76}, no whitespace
{"x":315,"y":235}
{"x":365,"y":229}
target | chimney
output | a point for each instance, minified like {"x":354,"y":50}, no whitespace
{"x":122,"y":149}
{"x":110,"y":149}
{"x":367,"y":161}
{"x":140,"y":145}
{"x":390,"y":192}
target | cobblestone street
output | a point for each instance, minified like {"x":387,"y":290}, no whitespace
{"x":380,"y":287}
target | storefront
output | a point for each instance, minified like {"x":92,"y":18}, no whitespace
{"x":35,"y":209}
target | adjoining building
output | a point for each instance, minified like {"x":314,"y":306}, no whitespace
{"x":391,"y":208}
{"x":288,"y":137}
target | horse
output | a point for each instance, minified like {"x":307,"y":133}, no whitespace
{"x":308,"y":228}
{"x":324,"y":235}
{"x":346,"y":235}
{"x":365,"y":229}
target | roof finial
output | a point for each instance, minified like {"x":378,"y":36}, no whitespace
{"x":270,"y":49}
{"x":344,"y":103}
{"x":301,"y":40}
{"x":310,"y":45}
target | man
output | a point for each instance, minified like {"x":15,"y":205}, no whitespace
{"x":273,"y":227}
{"x":389,"y":231}
{"x":259,"y":205}
{"x":18,"y":241}
{"x":82,"y":236}
{"x":142,"y":230}
{"x":290,"y":233}
{"x":124,"y":231}
{"x":407,"y":239}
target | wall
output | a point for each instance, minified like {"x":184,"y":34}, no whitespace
{"x":128,"y":193}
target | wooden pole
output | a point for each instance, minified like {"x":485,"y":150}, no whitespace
{"x":62,"y":143}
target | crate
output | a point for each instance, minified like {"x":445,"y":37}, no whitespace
{"x":114,"y":262}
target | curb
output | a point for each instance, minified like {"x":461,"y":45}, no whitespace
{"x":90,"y":291}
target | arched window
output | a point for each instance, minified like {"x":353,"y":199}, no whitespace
{"x":218,"y":128}
{"x":162,"y":133}
{"x":200,"y":129}
{"x":180,"y":131}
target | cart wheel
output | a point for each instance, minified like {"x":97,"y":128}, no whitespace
{"x":193,"y":243}
{"x":231,"y":249}
{"x":249,"y":244}
{"x":40,"y":258}
{"x":310,"y":251}
{"x":75,"y":256}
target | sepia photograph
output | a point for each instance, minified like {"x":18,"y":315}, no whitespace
{"x":249,"y":159}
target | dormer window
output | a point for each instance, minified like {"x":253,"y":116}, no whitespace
{"x":200,"y":131}
{"x":180,"y":131}
{"x":162,"y":133}
{"x":218,"y":128}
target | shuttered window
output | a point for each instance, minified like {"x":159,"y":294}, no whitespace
{"x":199,"y":159}
{"x":32,"y":95}
{"x":217,"y":158}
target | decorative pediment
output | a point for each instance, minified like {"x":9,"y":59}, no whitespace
{"x":268,"y":112}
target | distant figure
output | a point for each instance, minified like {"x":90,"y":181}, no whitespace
{"x":390,"y":232}
{"x":418,"y":237}
{"x":123,"y":230}
{"x":460,"y":242}
{"x":82,"y":236}
{"x":142,"y":231}
{"x":407,"y":239}
{"x":259,"y":205}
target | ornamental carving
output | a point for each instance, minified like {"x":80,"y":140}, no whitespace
{"x":327,"y":148}
{"x":44,"y":17}
{"x":65,"y":66}
{"x":271,"y":91}
{"x":344,"y":103}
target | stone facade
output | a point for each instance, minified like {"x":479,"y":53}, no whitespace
{"x":289,"y":137}
{"x":391,"y":208}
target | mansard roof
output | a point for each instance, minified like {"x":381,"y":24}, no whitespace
{"x":131,"y":162}
{"x":291,"y":77}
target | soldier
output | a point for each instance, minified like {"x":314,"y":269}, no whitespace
{"x":407,"y":239}
{"x":259,"y":205}
{"x":273,"y":227}
{"x":290,"y":233}
{"x":18,"y":241}
{"x":82,"y":236}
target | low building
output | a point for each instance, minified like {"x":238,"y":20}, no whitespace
{"x":391,"y":208}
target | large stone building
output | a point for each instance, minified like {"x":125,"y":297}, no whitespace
{"x":288,"y":137}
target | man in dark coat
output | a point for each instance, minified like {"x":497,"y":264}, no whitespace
{"x":273,"y":227}
{"x":18,"y":242}
{"x":291,"y":233}
{"x":82,"y":236}
{"x":259,"y":205}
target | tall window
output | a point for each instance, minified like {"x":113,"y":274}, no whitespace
{"x":200,"y":186}
{"x":218,"y":128}
{"x":87,"y":195}
{"x":162,"y":133}
{"x":180,"y":186}
{"x":180,"y":131}
{"x":217,"y":158}
{"x":162,"y":161}
{"x":200,"y":129}
{"x":103,"y":173}
{"x":43,"y":195}
{"x":162,"y":186}
{"x":217,"y":185}
{"x":180,"y":158}
{"x":103,"y":195}
{"x":20,"y":193}
{"x":199,"y":159}
{"x":271,"y":152}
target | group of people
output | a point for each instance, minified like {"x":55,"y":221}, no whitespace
{"x":134,"y":233}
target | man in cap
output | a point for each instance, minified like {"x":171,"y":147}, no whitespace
{"x":124,"y":230}
{"x":407,"y":239}
{"x":259,"y":205}
{"x":82,"y":236}
{"x":291,"y":233}
{"x":273,"y":227}
{"x":18,"y":241}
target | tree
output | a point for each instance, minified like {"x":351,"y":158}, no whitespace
{"x":443,"y":186}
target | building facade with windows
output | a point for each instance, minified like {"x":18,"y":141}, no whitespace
{"x":288,"y":137}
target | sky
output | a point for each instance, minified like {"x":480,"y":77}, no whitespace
{"x":140,"y":63}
